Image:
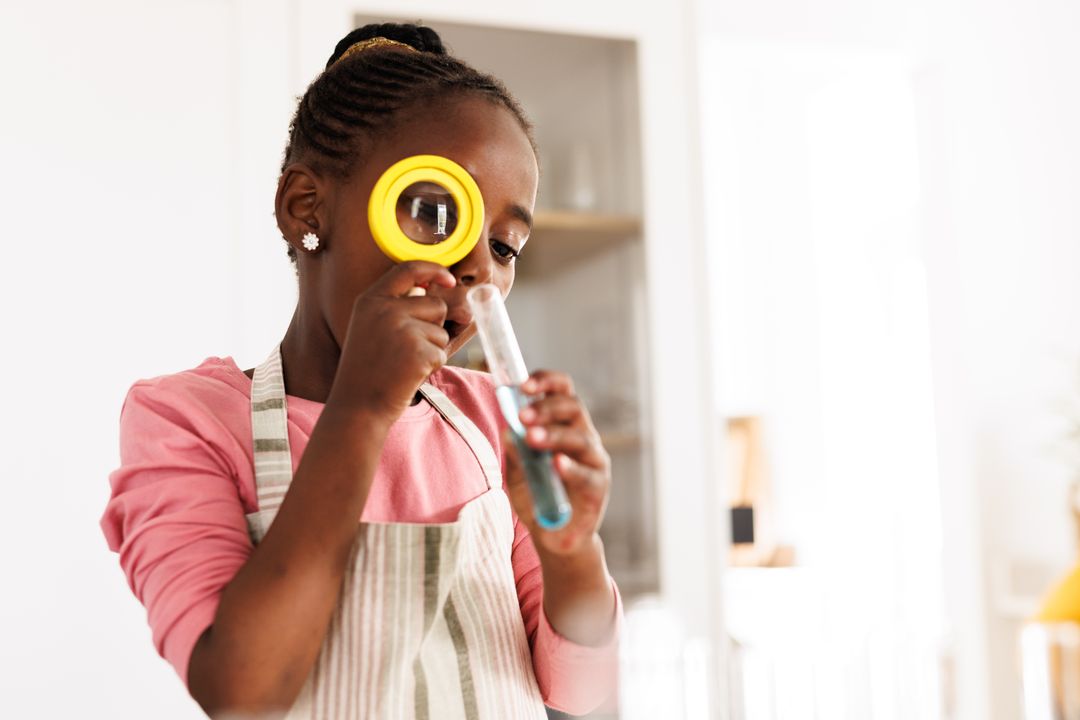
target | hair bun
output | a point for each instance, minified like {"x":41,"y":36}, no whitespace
{"x":420,"y":37}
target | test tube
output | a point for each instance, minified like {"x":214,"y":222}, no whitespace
{"x":550,"y":504}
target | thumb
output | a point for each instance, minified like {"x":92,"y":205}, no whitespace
{"x":402,"y":278}
{"x":516,"y":487}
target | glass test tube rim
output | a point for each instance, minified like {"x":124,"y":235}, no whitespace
{"x":497,"y":336}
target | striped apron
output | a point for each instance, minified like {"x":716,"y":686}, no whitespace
{"x":428,"y":623}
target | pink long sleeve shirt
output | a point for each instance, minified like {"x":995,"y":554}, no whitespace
{"x":186,"y":481}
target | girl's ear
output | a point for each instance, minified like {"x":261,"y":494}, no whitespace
{"x":300,"y":204}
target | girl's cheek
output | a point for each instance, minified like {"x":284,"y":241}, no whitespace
{"x":504,"y":278}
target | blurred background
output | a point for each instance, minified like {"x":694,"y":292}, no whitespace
{"x":814,"y":266}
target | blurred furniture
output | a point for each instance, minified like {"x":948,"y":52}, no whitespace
{"x":752,"y":531}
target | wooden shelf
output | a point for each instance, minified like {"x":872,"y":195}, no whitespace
{"x":562,"y":237}
{"x":585,"y":223}
{"x":616,"y":441}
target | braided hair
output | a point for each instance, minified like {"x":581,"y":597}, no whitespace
{"x":353,"y":101}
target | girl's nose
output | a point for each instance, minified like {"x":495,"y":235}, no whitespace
{"x":476,"y":267}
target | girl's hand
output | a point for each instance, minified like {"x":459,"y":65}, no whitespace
{"x":393,"y":343}
{"x":560,"y":423}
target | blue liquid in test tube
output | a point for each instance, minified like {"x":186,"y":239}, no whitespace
{"x":550,"y":504}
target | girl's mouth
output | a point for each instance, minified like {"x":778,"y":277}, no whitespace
{"x":453,"y":328}
{"x":458,"y":320}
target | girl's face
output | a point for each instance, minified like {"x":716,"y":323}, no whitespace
{"x":481,"y":136}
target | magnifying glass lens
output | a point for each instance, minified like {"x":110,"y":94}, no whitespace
{"x":426,"y":207}
{"x":426,"y":213}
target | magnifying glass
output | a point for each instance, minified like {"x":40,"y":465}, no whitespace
{"x":426,"y":207}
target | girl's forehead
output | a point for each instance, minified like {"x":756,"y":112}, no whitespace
{"x":473,"y":131}
{"x":483,"y":137}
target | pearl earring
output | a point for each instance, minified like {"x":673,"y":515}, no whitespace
{"x":310,"y":241}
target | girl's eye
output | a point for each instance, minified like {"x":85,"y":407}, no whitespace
{"x":505,"y":253}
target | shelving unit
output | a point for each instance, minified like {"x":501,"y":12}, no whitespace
{"x":616,"y":441}
{"x":596,"y":225}
{"x":578,"y":301}
{"x":562,"y":237}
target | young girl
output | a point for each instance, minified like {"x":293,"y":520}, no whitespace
{"x":235,"y":510}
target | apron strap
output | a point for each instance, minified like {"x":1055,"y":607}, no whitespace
{"x":476,"y":440}
{"x":270,"y":431}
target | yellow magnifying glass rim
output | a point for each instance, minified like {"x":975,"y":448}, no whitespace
{"x":382,"y":210}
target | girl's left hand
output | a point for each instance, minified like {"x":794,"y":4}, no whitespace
{"x":560,"y":423}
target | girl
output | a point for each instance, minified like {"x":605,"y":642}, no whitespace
{"x":235,"y":507}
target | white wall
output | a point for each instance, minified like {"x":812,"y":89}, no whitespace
{"x":123,"y":193}
{"x":1010,"y":106}
{"x":997,"y":104}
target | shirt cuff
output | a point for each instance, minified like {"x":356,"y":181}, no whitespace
{"x":575,"y":678}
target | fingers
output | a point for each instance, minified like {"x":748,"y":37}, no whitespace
{"x":550,"y":382}
{"x":562,"y":409}
{"x":587,"y":488}
{"x":436,"y":335}
{"x":402,"y":283}
{"x":435,"y":357}
{"x":575,"y":475}
{"x":518,"y":489}
{"x":581,"y":445}
{"x":558,"y":403}
{"x":426,"y":308}
{"x":558,"y":421}
{"x":403,"y":277}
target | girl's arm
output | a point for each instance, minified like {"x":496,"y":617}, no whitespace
{"x":274,"y":614}
{"x":579,"y":600}
{"x":576,"y":679}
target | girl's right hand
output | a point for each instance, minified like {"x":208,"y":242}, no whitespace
{"x":393,"y":342}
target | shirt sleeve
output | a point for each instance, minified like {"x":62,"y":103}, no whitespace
{"x":575,"y":679}
{"x":175,"y":517}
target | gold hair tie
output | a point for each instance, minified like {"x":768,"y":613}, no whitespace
{"x":375,"y":42}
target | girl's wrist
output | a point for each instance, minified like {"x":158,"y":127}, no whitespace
{"x":587,"y":561}
{"x":349,"y":411}
{"x":579,"y":601}
{"x":345,"y":422}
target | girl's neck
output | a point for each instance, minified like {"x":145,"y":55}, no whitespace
{"x":309,"y":358}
